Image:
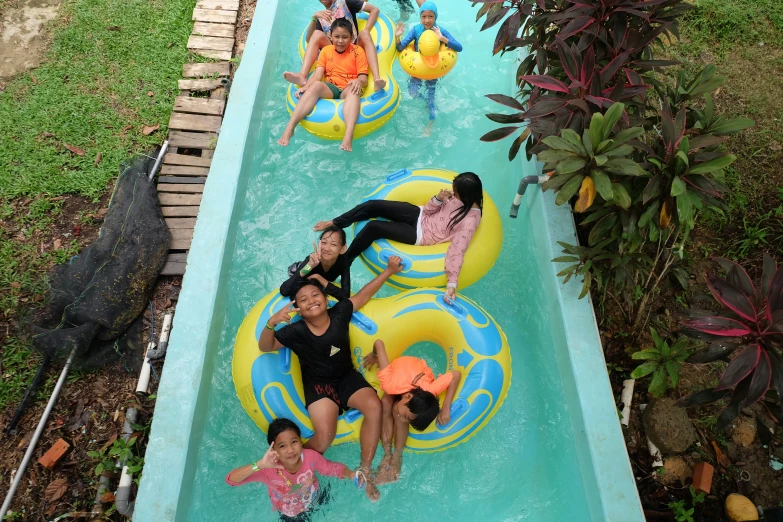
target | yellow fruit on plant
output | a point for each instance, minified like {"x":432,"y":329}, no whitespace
{"x":740,"y":509}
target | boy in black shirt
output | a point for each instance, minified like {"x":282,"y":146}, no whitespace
{"x":331,"y":383}
{"x":325,"y":265}
{"x":320,"y":29}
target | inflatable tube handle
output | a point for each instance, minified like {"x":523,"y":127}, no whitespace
{"x":455,"y":309}
{"x":396,"y":176}
{"x":458,"y":409}
{"x":351,"y":415}
{"x":285,"y":360}
{"x":364,"y":323}
{"x":385,"y":254}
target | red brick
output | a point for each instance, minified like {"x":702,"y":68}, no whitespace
{"x":702,"y":477}
{"x":54,"y":454}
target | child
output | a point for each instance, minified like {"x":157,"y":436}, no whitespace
{"x":319,"y":36}
{"x":289,"y":472}
{"x":325,"y":265}
{"x":343,"y":68}
{"x":429,"y":14}
{"x":410,"y":397}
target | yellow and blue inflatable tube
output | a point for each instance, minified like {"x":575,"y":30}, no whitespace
{"x":326,"y":119}
{"x":423,"y":266}
{"x":269,"y":385}
{"x":433,"y":60}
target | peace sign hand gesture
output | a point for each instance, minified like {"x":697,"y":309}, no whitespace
{"x":270,"y":459}
{"x":283,"y":315}
{"x":315,"y":257}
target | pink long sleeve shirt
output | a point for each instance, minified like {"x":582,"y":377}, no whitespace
{"x":292,"y":494}
{"x":434,"y":228}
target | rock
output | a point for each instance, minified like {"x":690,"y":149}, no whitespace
{"x":668,"y":426}
{"x":740,"y":509}
{"x":743,"y":431}
{"x":675,"y":469}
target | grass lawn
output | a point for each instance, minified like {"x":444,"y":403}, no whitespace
{"x":744,"y":39}
{"x":112,"y":70}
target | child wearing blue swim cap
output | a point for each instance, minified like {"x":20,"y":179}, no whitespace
{"x":428,"y":12}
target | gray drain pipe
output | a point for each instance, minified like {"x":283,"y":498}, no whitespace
{"x":122,"y":496}
{"x":524,"y":182}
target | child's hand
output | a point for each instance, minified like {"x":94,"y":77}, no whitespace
{"x":326,"y":14}
{"x":399,"y":29}
{"x":439,"y":34}
{"x":270,"y":459}
{"x":315,"y":257}
{"x":283,"y":315}
{"x":445,"y":415}
{"x":444,"y":194}
{"x":395,"y":264}
{"x":298,"y":94}
{"x":369,"y":361}
{"x":451,"y":295}
{"x":321,"y":281}
{"x":354,"y":86}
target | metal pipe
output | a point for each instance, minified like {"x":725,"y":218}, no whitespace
{"x":103,"y":487}
{"x":122,"y":496}
{"x":523,"y":183}
{"x":163,"y":150}
{"x":37,"y":435}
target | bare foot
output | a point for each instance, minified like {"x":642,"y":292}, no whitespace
{"x":372,"y":491}
{"x":284,"y":140}
{"x":323,"y":225}
{"x":379,"y":85}
{"x":347,"y":145}
{"x":295,"y":78}
{"x":390,"y":472}
{"x":428,"y":129}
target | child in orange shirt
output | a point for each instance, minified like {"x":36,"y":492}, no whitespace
{"x":343,"y":69}
{"x":410,"y":396}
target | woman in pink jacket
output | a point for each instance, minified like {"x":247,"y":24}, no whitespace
{"x":451,"y":215}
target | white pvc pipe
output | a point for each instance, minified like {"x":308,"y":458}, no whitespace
{"x":163,"y":150}
{"x":142,"y":387}
{"x":627,"y":398}
{"x":37,"y":435}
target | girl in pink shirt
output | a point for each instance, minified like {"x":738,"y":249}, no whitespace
{"x":451,"y":215}
{"x":289,"y":471}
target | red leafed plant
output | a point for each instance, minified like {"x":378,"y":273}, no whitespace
{"x":752,"y":325}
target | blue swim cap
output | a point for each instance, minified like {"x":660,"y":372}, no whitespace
{"x":429,"y":6}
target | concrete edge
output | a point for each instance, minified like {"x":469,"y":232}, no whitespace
{"x":194,"y":322}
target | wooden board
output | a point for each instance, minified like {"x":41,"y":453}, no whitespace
{"x":212,"y":43}
{"x":226,"y":5}
{"x":179,"y":200}
{"x":174,"y":266}
{"x":192,"y":140}
{"x":181,"y":179}
{"x":180,"y":244}
{"x":199,"y":105}
{"x":215,"y":16}
{"x":178,"y":234}
{"x":197,"y":70}
{"x":184,"y":159}
{"x":188,"y":188}
{"x":208,"y":29}
{"x":183,"y":170}
{"x":199,"y":85}
{"x":194,"y":122}
{"x":188,"y":222}
{"x":190,"y":211}
{"x":217,"y":55}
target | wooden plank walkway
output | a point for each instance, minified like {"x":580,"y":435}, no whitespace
{"x":195,"y":124}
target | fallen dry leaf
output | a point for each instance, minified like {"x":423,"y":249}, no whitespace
{"x":16,"y":284}
{"x":58,"y":243}
{"x":170,"y":45}
{"x":75,"y":150}
{"x":56,"y":489}
{"x":149,"y":129}
{"x":98,"y":158}
{"x":150,"y":93}
{"x":47,"y":134}
{"x":113,"y":28}
{"x":126,"y":129}
{"x":109,"y":442}
{"x":107,"y":497}
{"x":722,"y":459}
{"x":34,"y":79}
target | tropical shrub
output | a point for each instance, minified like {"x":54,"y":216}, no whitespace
{"x":663,"y":362}
{"x":635,"y":157}
{"x":751,"y":324}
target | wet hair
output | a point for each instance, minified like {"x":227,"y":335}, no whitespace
{"x":468,"y":187}
{"x":303,"y":283}
{"x":424,"y":405}
{"x":344,"y":23}
{"x":334,"y":229}
{"x":280,"y":425}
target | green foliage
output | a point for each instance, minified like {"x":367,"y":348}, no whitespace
{"x":678,"y":508}
{"x":717,"y":24}
{"x":663,"y":362}
{"x":120,"y":450}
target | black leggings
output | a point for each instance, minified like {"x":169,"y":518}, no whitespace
{"x":403,"y":218}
